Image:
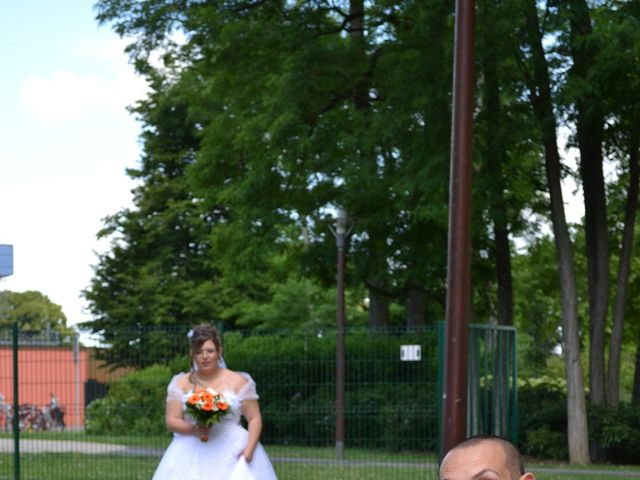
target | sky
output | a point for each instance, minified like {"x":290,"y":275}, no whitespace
{"x":66,"y":139}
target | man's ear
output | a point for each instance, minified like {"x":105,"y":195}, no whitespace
{"x":528,"y":476}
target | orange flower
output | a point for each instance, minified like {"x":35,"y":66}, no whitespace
{"x":206,"y":396}
{"x":206,"y":407}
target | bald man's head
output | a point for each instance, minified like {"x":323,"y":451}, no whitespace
{"x":484,"y":457}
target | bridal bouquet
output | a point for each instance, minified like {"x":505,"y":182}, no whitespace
{"x":206,"y":407}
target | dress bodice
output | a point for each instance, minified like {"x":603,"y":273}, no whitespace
{"x":234,"y":399}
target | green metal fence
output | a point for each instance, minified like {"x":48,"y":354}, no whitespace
{"x":492,"y":386}
{"x":392,"y":389}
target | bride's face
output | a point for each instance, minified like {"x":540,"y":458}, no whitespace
{"x":207,"y":357}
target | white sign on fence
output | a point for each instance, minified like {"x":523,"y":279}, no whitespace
{"x":410,"y":353}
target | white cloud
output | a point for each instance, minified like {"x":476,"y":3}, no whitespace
{"x":66,"y":94}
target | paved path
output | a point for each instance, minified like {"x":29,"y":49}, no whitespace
{"x":60,"y":446}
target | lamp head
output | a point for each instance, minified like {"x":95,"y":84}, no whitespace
{"x":341,"y":221}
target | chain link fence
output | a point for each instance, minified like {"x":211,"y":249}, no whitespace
{"x":94,"y":409}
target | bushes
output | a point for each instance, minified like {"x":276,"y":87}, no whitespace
{"x":389,"y":403}
{"x":616,"y":432}
{"x":543,"y":423}
{"x":544,"y":443}
{"x":542,"y":404}
{"x":134,"y":405}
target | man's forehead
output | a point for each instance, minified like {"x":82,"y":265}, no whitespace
{"x":485,"y":459}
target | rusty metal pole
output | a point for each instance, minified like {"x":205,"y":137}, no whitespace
{"x":454,"y":421}
{"x":16,"y":402}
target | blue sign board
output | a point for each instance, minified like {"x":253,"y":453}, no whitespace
{"x":6,"y":260}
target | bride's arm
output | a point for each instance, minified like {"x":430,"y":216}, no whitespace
{"x":176,"y":422}
{"x":251,"y":411}
{"x":173,"y":413}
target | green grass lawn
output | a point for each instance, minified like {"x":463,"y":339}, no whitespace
{"x":563,"y":471}
{"x":291,"y":463}
{"x":79,"y":467}
{"x":76,"y":466}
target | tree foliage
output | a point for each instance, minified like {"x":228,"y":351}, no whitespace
{"x":264,"y":117}
{"x":33,"y":312}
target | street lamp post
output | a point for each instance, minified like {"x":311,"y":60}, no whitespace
{"x":340,"y":233}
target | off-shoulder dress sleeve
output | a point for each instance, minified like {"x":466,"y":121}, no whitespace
{"x":174,"y":392}
{"x":248,"y":390}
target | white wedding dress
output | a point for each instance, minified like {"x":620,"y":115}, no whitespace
{"x":188,"y":458}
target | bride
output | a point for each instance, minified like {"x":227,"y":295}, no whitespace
{"x":226,"y":451}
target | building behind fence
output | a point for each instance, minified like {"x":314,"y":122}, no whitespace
{"x":393,"y":384}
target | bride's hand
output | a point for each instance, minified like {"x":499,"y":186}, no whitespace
{"x":199,"y":431}
{"x":247,"y":455}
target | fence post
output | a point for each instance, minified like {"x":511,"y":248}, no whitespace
{"x":16,"y":406}
{"x":440,"y":387}
{"x":515,"y":412}
{"x":76,"y":369}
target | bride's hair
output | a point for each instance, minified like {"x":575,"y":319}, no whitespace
{"x":201,"y":334}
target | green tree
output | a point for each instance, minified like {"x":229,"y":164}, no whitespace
{"x":158,"y":270}
{"x":620,"y":40}
{"x":509,"y":173}
{"x":598,"y":40}
{"x":539,"y":313}
{"x":33,"y":312}
{"x":267,"y":116}
{"x":538,"y":76}
{"x":305,"y":107}
{"x":589,"y":120}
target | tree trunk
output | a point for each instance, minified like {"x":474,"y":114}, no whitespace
{"x":539,"y":86}
{"x":622,"y":284}
{"x":378,"y":309}
{"x":356,"y":40}
{"x":589,"y":127}
{"x":415,"y":307}
{"x":503,"y":271}
{"x":635,"y":392}
{"x":494,"y":159}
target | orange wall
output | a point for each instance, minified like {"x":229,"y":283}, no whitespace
{"x":46,"y":370}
